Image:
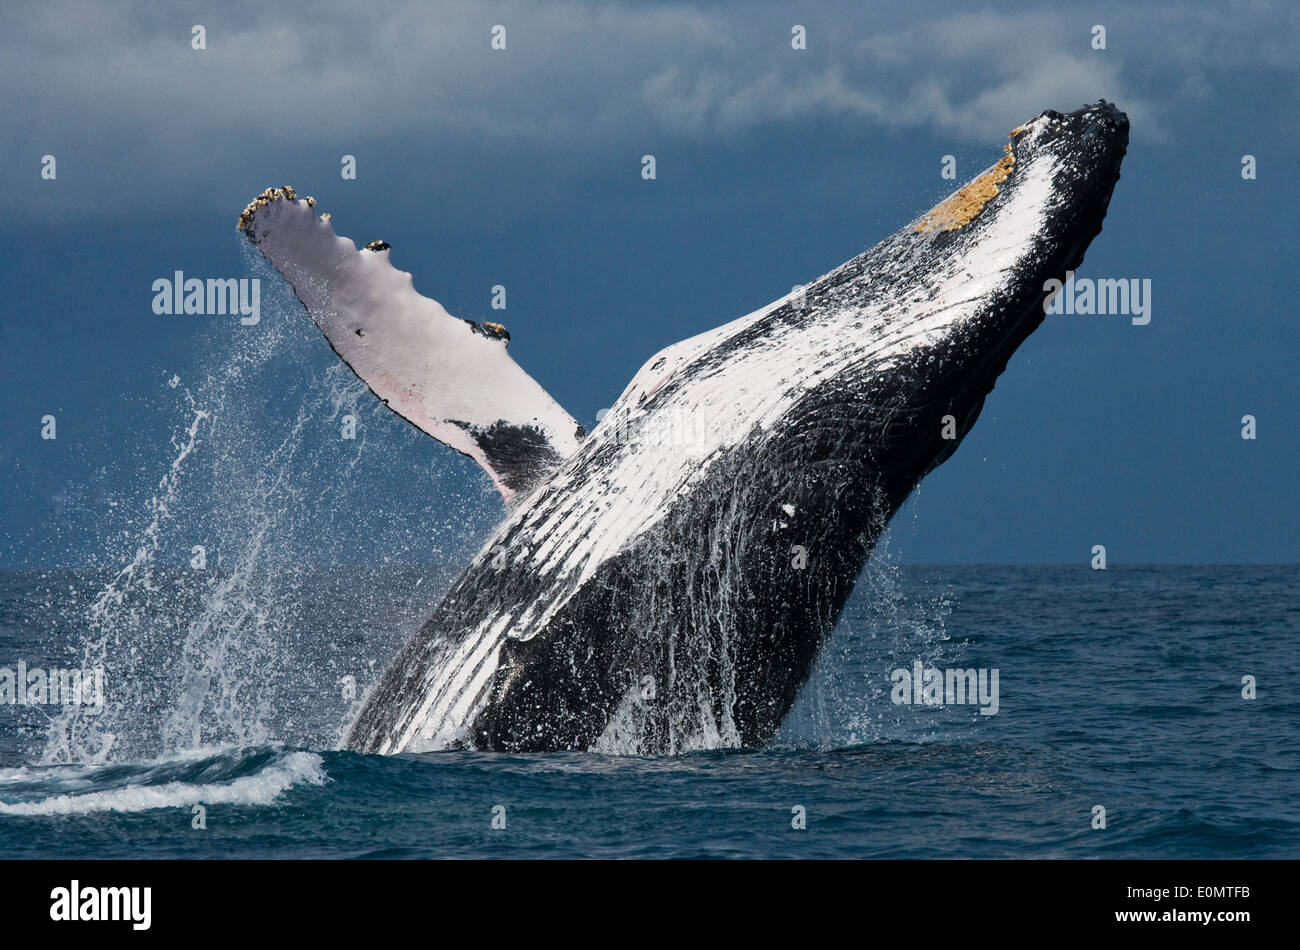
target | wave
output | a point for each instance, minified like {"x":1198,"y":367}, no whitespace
{"x":235,"y":777}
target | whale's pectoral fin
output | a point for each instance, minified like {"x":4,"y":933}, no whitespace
{"x":450,"y":377}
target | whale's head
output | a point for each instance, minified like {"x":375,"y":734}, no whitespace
{"x":1039,"y":206}
{"x":1076,"y":155}
{"x":876,"y":370}
{"x":902,"y":345}
{"x":979,"y":268}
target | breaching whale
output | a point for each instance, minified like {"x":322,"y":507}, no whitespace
{"x":664,"y":583}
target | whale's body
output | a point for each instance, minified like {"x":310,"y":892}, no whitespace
{"x":666,"y":582}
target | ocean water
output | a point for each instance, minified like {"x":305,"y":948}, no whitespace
{"x":229,"y":690}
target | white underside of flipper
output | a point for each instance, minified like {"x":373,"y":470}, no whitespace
{"x":450,"y":377}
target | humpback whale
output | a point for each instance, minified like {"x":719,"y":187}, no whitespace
{"x":655,"y":594}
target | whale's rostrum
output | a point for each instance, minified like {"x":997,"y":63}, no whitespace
{"x":664,"y":583}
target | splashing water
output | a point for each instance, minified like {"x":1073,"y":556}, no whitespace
{"x":215,"y":633}
{"x":892,"y":623}
{"x":228,"y":777}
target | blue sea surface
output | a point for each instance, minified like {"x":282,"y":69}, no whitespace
{"x":1120,"y":688}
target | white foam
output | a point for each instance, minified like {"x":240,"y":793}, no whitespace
{"x":263,"y":788}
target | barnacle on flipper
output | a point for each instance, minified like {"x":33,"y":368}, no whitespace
{"x":256,"y":205}
{"x":264,"y":199}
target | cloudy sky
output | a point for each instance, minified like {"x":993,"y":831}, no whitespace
{"x":522,"y":166}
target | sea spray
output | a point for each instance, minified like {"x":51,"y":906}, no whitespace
{"x":895,"y":613}
{"x":73,"y":735}
{"x":215,"y":625}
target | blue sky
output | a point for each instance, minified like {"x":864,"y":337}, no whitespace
{"x":522,"y":167}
